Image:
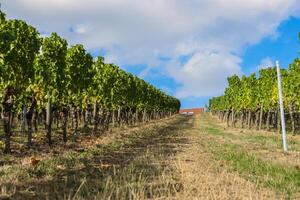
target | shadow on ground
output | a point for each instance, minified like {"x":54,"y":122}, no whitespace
{"x":118,"y":172}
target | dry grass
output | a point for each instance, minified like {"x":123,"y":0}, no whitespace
{"x":129,"y":164}
{"x":204,"y":177}
{"x":41,"y":150}
{"x":168,"y":159}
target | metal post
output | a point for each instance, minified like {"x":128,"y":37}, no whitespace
{"x":284,"y":140}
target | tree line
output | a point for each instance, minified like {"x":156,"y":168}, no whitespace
{"x":44,"y":81}
{"x":252,"y":101}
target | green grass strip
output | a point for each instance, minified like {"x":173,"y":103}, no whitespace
{"x":282,"y":178}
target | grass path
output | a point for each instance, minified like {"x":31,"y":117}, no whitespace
{"x":266,"y":145}
{"x":256,"y":160}
{"x":182,"y":157}
{"x":206,"y":176}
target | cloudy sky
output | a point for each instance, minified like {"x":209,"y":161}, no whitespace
{"x":185,"y":47}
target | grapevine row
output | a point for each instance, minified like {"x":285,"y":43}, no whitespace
{"x":43,"y":80}
{"x":253,"y":101}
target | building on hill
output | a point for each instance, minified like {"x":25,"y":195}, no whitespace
{"x":191,"y":111}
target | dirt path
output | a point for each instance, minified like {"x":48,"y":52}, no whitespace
{"x":169,"y":159}
{"x":207,"y":178}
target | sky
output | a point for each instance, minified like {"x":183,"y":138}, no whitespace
{"x":186,"y":48}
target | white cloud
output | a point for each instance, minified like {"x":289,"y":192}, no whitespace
{"x":265,"y":63}
{"x":82,"y":29}
{"x":205,"y":74}
{"x":214,"y":32}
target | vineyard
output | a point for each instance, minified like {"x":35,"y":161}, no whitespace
{"x":45,"y":82}
{"x":253,"y":101}
{"x":75,"y":127}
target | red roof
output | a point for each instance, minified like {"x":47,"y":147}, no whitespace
{"x":192,"y":110}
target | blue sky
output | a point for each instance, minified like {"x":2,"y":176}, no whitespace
{"x":285,"y":47}
{"x":186,"y":48}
